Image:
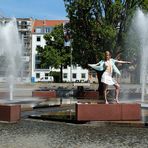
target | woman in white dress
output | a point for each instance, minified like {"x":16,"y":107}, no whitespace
{"x":107,"y":79}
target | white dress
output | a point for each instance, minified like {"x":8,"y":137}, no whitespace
{"x":107,"y":75}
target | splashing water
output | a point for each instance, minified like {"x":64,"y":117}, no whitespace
{"x":141,"y":23}
{"x":10,"y":53}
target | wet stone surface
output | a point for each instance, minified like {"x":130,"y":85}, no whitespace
{"x":48,"y":134}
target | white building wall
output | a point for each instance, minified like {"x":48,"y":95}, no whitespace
{"x":42,"y":73}
{"x":74,"y":70}
{"x":36,"y":43}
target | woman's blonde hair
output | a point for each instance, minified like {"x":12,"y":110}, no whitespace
{"x":107,"y":52}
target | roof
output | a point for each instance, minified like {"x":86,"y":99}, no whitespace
{"x":47,"y":23}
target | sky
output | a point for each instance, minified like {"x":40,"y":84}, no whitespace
{"x":37,"y":9}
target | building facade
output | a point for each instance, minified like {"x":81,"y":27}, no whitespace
{"x":25,"y":28}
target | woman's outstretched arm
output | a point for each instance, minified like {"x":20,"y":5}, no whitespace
{"x":123,"y":62}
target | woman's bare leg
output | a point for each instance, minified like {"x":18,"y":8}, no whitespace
{"x":105,"y":93}
{"x":117,"y":90}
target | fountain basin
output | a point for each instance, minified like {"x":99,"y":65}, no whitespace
{"x":10,"y":113}
{"x":108,"y":112}
{"x":40,"y":93}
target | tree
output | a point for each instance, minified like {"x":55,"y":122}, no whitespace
{"x":54,"y":54}
{"x":99,"y":25}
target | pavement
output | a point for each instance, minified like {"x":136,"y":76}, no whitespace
{"x":49,"y":134}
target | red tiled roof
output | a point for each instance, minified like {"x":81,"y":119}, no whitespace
{"x":46,"y":23}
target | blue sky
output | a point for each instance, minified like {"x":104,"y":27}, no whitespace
{"x":37,"y":9}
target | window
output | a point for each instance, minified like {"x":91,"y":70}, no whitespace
{"x":74,"y":75}
{"x":46,"y":78}
{"x":38,"y":46}
{"x":38,"y":39}
{"x":37,"y":57}
{"x":83,"y":75}
{"x":24,"y":25}
{"x":47,"y":29}
{"x":46,"y":74}
{"x":38,"y":30}
{"x":65,"y":66}
{"x":37,"y":65}
{"x":37,"y":75}
{"x":51,"y":29}
{"x":65,"y":75}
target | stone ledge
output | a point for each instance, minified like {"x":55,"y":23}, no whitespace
{"x":108,"y":112}
{"x":49,"y":94}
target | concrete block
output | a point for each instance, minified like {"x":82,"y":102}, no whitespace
{"x":108,"y":112}
{"x":10,"y":113}
{"x":131,"y":111}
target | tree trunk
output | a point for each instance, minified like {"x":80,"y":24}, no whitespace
{"x":61,"y":73}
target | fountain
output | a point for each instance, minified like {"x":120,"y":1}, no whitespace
{"x":140,"y":23}
{"x":11,"y":52}
{"x":11,"y":69}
